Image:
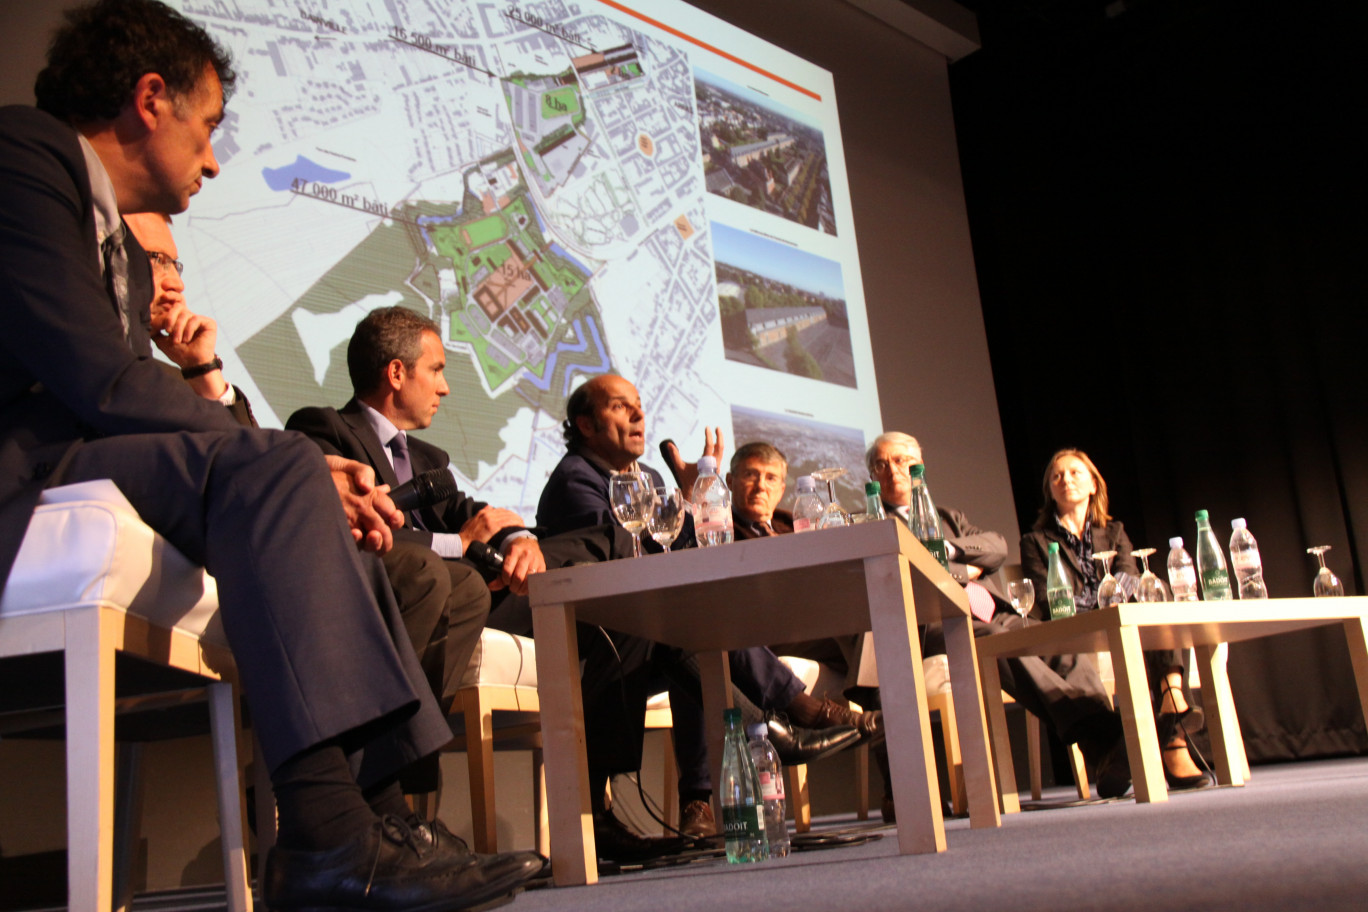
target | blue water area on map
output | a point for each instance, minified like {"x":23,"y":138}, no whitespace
{"x":544,"y":381}
{"x":560,"y":252}
{"x":301,"y":169}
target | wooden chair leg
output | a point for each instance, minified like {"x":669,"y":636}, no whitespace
{"x":542,"y":821}
{"x":224,"y":725}
{"x":954,"y":765}
{"x":479,"y":727}
{"x":669,"y":784}
{"x":1033,"y":755}
{"x":128,"y":806}
{"x":799,"y":798}
{"x":90,"y":759}
{"x":862,"y":782}
{"x":1080,"y":772}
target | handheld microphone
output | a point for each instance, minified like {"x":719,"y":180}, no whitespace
{"x":486,"y":559}
{"x":424,"y":490}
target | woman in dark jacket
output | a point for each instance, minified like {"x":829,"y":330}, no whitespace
{"x":1073,"y":513}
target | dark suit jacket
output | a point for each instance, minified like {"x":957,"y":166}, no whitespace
{"x":1035,"y":557}
{"x":346,"y":432}
{"x":781,"y":522}
{"x":66,"y":372}
{"x":977,"y":547}
{"x":576,"y":497}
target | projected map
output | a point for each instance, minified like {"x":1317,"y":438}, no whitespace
{"x":527,"y":175}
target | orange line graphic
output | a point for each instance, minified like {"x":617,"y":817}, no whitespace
{"x":708,"y":47}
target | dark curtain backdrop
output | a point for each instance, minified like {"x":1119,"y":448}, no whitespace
{"x":1168,"y":215}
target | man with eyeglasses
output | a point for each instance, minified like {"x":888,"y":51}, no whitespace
{"x":188,"y":339}
{"x":1065,"y":692}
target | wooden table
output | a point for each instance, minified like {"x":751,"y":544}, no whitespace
{"x":1126,"y":631}
{"x":833,"y":582}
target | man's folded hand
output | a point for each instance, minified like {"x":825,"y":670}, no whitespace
{"x":370,"y":512}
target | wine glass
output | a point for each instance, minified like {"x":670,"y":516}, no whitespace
{"x":1326,"y":584}
{"x":667,"y":516}
{"x":1022,"y":595}
{"x":1106,"y":590}
{"x":1152,"y":588}
{"x":834,"y":515}
{"x":631,"y":496}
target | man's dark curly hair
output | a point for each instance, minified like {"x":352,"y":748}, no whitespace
{"x":103,"y":49}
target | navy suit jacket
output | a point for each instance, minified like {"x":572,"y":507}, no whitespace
{"x":67,"y":373}
{"x":576,"y":497}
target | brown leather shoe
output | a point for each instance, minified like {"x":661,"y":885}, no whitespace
{"x":696,"y":819}
{"x":868,"y":724}
{"x":890,"y":813}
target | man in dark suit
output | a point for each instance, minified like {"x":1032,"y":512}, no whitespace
{"x":395,"y":360}
{"x":1063,"y":691}
{"x":605,"y":433}
{"x":127,"y":104}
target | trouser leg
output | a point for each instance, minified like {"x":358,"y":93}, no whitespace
{"x":314,"y":630}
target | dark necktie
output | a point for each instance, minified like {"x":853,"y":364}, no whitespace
{"x":398,"y":445}
{"x":116,"y":277}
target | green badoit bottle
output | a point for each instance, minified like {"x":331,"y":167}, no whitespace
{"x":1211,"y":563}
{"x":873,"y":501}
{"x":1058,"y":587}
{"x":743,"y":803}
{"x":924,"y":520}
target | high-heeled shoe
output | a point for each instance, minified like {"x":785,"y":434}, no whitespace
{"x":1168,"y":725}
{"x":1181,"y":783}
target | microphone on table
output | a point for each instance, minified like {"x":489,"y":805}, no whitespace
{"x":424,"y":490}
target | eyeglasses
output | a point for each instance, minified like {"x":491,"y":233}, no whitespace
{"x":901,"y":463}
{"x":165,"y":262}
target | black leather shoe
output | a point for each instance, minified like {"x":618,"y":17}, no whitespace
{"x":1113,"y":771}
{"x":614,"y":842}
{"x":387,"y":868}
{"x":805,"y":745}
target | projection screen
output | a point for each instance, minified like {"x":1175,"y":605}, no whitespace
{"x":567,"y":188}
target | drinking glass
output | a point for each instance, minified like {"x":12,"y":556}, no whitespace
{"x":667,"y":516}
{"x":631,"y":496}
{"x":834,"y":515}
{"x":1106,"y":590}
{"x":1022,"y":595}
{"x":1326,"y":584}
{"x":1152,"y":588}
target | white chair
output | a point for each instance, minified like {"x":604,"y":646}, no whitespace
{"x":818,"y":678}
{"x":92,"y":580}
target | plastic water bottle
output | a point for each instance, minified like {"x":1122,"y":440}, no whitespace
{"x":1211,"y":565}
{"x":925,"y":521}
{"x":1058,"y":587}
{"x":1244,"y":557}
{"x":874,"y":501}
{"x":711,"y":505}
{"x":743,"y":808}
{"x":771,"y":774}
{"x":807,"y":506}
{"x":1181,"y":573}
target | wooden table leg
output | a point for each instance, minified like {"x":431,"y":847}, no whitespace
{"x":1137,"y":715}
{"x":1356,"y":636}
{"x":916,"y":791}
{"x":714,"y":671}
{"x":1001,"y":742}
{"x":979,"y":781}
{"x":573,"y":858}
{"x":1222,"y":724}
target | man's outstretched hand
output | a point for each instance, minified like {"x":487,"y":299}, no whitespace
{"x":686,"y":473}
